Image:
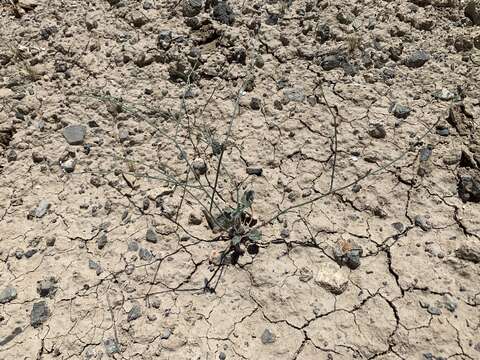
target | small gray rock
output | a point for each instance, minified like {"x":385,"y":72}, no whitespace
{"x":192,"y":8}
{"x":42,"y":208}
{"x":267,"y":337}
{"x":8,"y":294}
{"x":434,"y":310}
{"x":254,"y":170}
{"x":134,"y":313}
{"x":132,"y":246}
{"x":377,"y":131}
{"x":145,"y":254}
{"x":47,"y":287}
{"x":39,"y":314}
{"x":166,"y":334}
{"x":75,"y":134}
{"x":417,"y":59}
{"x":422,"y":223}
{"x":102,"y":241}
{"x":222,"y":356}
{"x":111,"y":347}
{"x":69,"y":165}
{"x":11,"y":155}
{"x":331,"y":62}
{"x":400,"y":111}
{"x":151,"y":235}
{"x":199,"y":166}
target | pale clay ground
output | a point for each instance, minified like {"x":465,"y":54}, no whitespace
{"x":411,"y":298}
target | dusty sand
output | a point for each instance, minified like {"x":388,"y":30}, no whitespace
{"x":97,"y":257}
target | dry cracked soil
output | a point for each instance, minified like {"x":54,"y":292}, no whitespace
{"x":338,"y":139}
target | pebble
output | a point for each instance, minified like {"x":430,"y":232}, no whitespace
{"x":102,"y":241}
{"x":422,"y":223}
{"x":252,"y":170}
{"x":444,"y":95}
{"x":377,"y":131}
{"x":145,"y":254}
{"x":29,"y":253}
{"x":222,"y":12}
{"x":400,"y":111}
{"x":331,"y":62}
{"x":195,"y":218}
{"x":11,"y":155}
{"x":42,"y":208}
{"x":132,"y":246}
{"x":222,"y":356}
{"x":255,"y":103}
{"x":75,"y":134}
{"x":417,"y":59}
{"x":151,"y":235}
{"x":111,"y":347}
{"x":8,"y":294}
{"x":350,"y":257}
{"x":39,"y":314}
{"x":166,"y":334}
{"x":469,"y":188}
{"x":267,"y":337}
{"x":134,"y":313}
{"x":434,"y":310}
{"x":192,"y":8}
{"x":47,"y":287}
{"x":331,"y":278}
{"x":199,"y":166}
{"x":37,"y":157}
{"x":69,"y":165}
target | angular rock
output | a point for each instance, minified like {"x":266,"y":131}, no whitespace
{"x":192,"y":8}
{"x":400,"y":111}
{"x":42,"y":208}
{"x":39,"y":314}
{"x":332,"y":278}
{"x":8,"y":294}
{"x":111,"y":347}
{"x":417,"y":59}
{"x":47,"y":287}
{"x":267,"y":337}
{"x":134,"y":313}
{"x":377,"y":131}
{"x":75,"y":134}
{"x":151,"y":235}
{"x":348,"y":254}
{"x":222,"y":12}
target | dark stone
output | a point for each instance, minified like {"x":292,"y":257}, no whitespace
{"x":377,"y":131}
{"x":102,"y":241}
{"x":255,"y":103}
{"x":111,"y":347}
{"x":134,"y":313}
{"x":223,"y":13}
{"x":39,"y":314}
{"x":331,"y":62}
{"x":400,"y":111}
{"x":47,"y":287}
{"x":145,"y":254}
{"x":267,"y":337}
{"x":29,"y":253}
{"x":258,"y":171}
{"x":151,"y":235}
{"x":417,"y":59}
{"x":469,"y":188}
{"x":323,"y":33}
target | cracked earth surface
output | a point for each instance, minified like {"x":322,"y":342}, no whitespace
{"x":103,"y":255}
